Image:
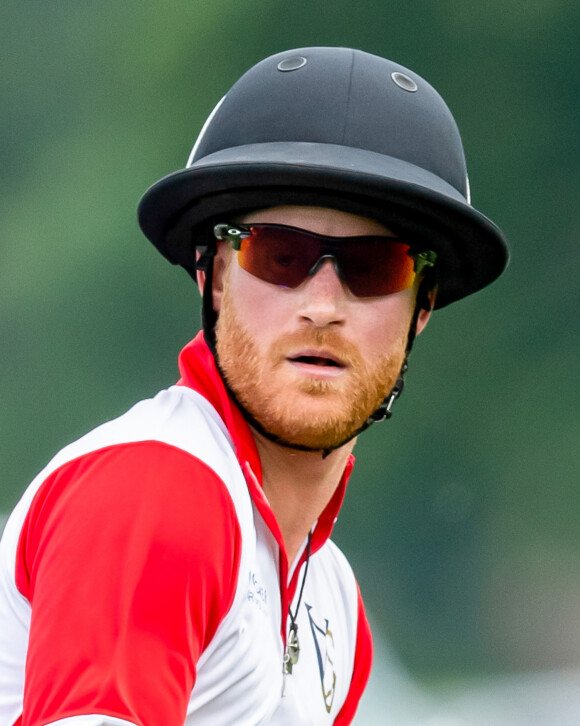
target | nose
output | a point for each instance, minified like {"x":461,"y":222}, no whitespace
{"x":323,"y":296}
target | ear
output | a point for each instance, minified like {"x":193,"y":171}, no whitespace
{"x":200,"y":275}
{"x":220,"y":267}
{"x":219,"y":270}
{"x":424,"y":315}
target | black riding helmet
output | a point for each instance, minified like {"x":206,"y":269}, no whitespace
{"x":332,"y":127}
{"x":338,"y":128}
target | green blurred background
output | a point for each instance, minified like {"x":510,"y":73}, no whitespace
{"x":462,"y":516}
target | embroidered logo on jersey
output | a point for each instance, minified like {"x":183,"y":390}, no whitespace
{"x":324,"y":644}
{"x":257,"y":594}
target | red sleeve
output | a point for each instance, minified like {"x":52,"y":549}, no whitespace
{"x":363,"y":661}
{"x":129,"y":557}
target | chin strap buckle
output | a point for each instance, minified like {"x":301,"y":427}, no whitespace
{"x":384,"y":410}
{"x":396,"y":390}
{"x":394,"y":394}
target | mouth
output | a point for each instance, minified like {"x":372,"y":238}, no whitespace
{"x":317,"y":361}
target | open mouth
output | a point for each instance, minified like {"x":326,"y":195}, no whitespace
{"x":322,"y":361}
{"x":316,"y":360}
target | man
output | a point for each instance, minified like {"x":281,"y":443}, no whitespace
{"x":174,"y":565}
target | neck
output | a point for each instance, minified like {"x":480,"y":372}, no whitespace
{"x":298,"y":486}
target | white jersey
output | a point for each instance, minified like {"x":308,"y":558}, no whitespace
{"x":144,"y":581}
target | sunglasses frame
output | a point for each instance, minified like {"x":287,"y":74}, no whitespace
{"x":235,"y":234}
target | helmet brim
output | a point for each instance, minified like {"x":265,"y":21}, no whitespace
{"x":432,"y":214}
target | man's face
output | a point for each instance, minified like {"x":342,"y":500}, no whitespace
{"x":310,"y":363}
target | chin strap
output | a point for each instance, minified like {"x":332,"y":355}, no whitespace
{"x":384,"y":412}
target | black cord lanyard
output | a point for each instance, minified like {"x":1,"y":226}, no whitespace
{"x":292,"y":652}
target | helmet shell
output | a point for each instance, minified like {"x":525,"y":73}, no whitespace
{"x":339,"y":128}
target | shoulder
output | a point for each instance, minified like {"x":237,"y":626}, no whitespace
{"x":136,"y":502}
{"x":176,"y":430}
{"x":177,"y":416}
{"x":165,"y":471}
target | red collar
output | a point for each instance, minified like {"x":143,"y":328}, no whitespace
{"x":199,"y":372}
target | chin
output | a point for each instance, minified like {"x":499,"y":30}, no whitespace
{"x":316,"y":421}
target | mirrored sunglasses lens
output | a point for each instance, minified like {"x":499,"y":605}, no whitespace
{"x":374,"y":267}
{"x":280,"y":256}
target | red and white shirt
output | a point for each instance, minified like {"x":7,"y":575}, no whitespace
{"x":144,"y":581}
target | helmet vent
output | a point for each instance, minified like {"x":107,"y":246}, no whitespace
{"x":405,"y":82}
{"x":292,"y":64}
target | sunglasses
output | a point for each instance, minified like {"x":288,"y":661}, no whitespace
{"x":369,"y":266}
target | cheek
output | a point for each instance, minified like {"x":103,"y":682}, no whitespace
{"x":385,"y":323}
{"x":261,"y":309}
